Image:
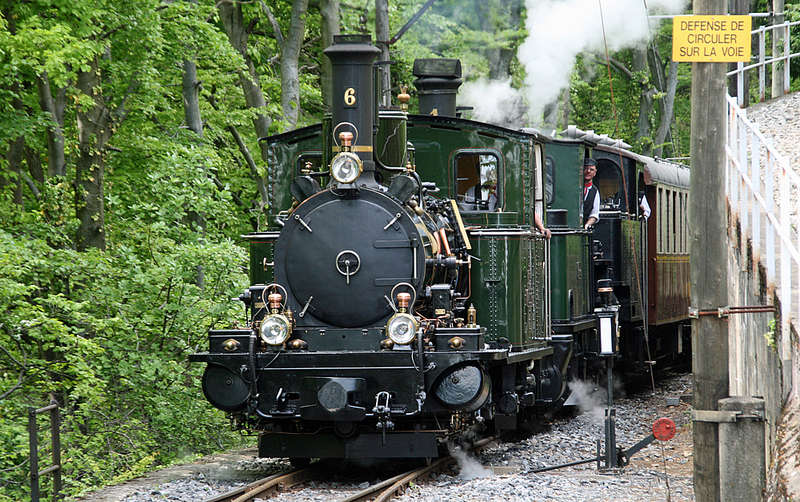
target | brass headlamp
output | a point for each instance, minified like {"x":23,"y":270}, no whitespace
{"x":275,"y":327}
{"x":402,"y":327}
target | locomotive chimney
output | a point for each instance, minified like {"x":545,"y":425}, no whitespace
{"x":437,"y":84}
{"x":353,"y":101}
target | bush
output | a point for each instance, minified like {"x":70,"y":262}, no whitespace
{"x":107,"y":334}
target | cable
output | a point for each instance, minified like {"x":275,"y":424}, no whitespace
{"x":608,"y":67}
{"x":642,"y":304}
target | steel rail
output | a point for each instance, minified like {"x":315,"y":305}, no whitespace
{"x":388,"y":488}
{"x":274,"y":482}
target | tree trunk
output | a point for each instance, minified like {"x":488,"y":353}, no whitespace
{"x":290,"y":57}
{"x":34,"y":164}
{"x":564,"y":106}
{"x":94,"y":132}
{"x":191,"y":100}
{"x":382,"y":35}
{"x":16,"y":146}
{"x":14,"y":159}
{"x":645,"y":100}
{"x":262,"y":188}
{"x":500,"y":58}
{"x":663,"y":86}
{"x":329,"y":10}
{"x":231,"y":15}
{"x":191,"y":113}
{"x":663,"y":130}
{"x":54,"y":105}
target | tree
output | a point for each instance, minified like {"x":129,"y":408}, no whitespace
{"x":502,"y":20}
{"x":329,"y":13}
{"x":53,"y":103}
{"x":290,"y":56}
{"x":238,"y":33}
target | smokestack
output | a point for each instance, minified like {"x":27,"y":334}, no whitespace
{"x":437,"y":84}
{"x":353,"y":99}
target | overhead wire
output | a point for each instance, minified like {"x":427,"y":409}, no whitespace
{"x":642,"y":305}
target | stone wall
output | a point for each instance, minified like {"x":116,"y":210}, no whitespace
{"x":764,"y":363}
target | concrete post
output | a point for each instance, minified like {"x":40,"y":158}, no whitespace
{"x":742,"y":467}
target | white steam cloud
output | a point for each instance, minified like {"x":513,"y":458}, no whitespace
{"x":493,"y":101}
{"x":469,"y":467}
{"x":559,"y":30}
{"x":590,"y":400}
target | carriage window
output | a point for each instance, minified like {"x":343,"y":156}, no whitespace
{"x":661,"y":219}
{"x":684,"y":227}
{"x":478,"y":186}
{"x":674,"y":206}
{"x":680,"y":221}
{"x":668,"y":221}
{"x":686,"y":222}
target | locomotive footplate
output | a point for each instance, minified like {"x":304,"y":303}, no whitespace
{"x":414,"y":444}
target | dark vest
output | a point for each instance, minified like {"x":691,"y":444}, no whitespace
{"x":588,"y":202}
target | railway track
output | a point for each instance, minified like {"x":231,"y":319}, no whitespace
{"x":265,"y":488}
{"x":379,"y":492}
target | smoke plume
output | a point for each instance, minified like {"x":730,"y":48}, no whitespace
{"x":559,"y":30}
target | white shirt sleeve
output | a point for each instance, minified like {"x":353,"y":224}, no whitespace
{"x":645,"y":207}
{"x":596,"y":206}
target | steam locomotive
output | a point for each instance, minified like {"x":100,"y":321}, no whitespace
{"x":402,"y":296}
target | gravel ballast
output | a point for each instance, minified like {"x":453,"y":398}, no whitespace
{"x":503,"y":471}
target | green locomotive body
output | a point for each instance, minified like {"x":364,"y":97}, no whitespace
{"x":401,"y":294}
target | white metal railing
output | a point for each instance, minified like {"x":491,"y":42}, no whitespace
{"x":764,"y":193}
{"x":762,"y":63}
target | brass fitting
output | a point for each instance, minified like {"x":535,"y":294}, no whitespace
{"x":404,"y":98}
{"x":472,"y":316}
{"x":403,"y":299}
{"x":346,"y":138}
{"x":298,"y":344}
{"x":456,"y":343}
{"x":274,"y":300}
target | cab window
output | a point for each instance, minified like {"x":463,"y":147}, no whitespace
{"x":549,"y":181}
{"x":313,"y":159}
{"x":477,"y":176}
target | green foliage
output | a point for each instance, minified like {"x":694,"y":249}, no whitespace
{"x":593,"y":108}
{"x":770,"y":335}
{"x":107,"y":333}
{"x":793,"y":14}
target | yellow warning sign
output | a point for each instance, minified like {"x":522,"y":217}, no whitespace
{"x":711,"y":39}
